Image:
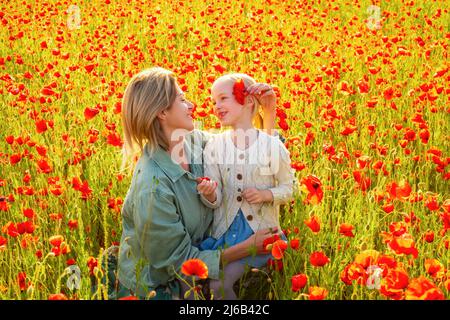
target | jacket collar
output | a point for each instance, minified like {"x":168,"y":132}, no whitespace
{"x":164,"y":161}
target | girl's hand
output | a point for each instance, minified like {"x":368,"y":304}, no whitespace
{"x":207,"y":188}
{"x":265,"y":94}
{"x":254,"y":196}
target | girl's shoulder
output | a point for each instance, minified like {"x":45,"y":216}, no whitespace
{"x":273,"y":144}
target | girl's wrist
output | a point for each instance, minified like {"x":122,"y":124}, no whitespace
{"x":267,"y":195}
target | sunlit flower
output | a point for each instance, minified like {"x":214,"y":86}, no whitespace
{"x":318,"y":259}
{"x":434,"y":268}
{"x":278,"y":249}
{"x":299,"y":282}
{"x":317,"y":293}
{"x":239,"y":91}
{"x":394,"y":283}
{"x":313,"y":223}
{"x":57,"y":296}
{"x":346,"y":229}
{"x":195,"y":267}
{"x":313,"y":187}
{"x":423,"y":289}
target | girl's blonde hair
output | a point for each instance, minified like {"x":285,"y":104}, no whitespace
{"x":248,"y":81}
{"x":147,"y":94}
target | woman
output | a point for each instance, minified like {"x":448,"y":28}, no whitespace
{"x":164,"y":219}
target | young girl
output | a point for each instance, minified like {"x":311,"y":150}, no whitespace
{"x":248,"y":173}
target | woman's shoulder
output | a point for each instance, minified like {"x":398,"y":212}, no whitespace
{"x":205,"y":138}
{"x":198,"y":137}
{"x":148,"y":177}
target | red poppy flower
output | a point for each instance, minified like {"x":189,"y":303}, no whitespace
{"x":10,"y":139}
{"x":73,"y":224}
{"x":283,"y":124}
{"x":89,"y":68}
{"x":399,"y":191}
{"x":3,"y":242}
{"x":318,"y":259}
{"x":388,"y":93}
{"x":278,"y":249}
{"x":294,"y":243}
{"x":90,"y":113}
{"x":129,"y":298}
{"x":445,"y":216}
{"x":363,"y":182}
{"x":29,"y":213}
{"x":429,"y":236}
{"x":41,"y":150}
{"x":354,"y":272}
{"x":267,"y":243}
{"x":346,"y":229}
{"x":404,"y":245}
{"x":363,"y":86}
{"x":15,"y":158}
{"x":349,"y":129}
{"x":367,"y":258}
{"x":398,"y":228}
{"x":56,"y":240}
{"x":394,"y":283}
{"x":114,"y":139}
{"x":239,"y":91}
{"x":41,"y":126}
{"x":25,"y":227}
{"x":423,"y":289}
{"x":11,"y":229}
{"x":313,"y":223}
{"x":434,"y":267}
{"x":44,"y":166}
{"x":57,"y":296}
{"x":195,"y":267}
{"x":299,"y":282}
{"x":313,"y":186}
{"x":276,"y":265}
{"x":431,"y":203}
{"x":317,"y":293}
{"x":92,"y":263}
{"x":21,"y":279}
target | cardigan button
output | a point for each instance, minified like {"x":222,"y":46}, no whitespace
{"x":239,"y":176}
{"x":239,"y":198}
{"x":249,"y":217}
{"x":241,"y":156}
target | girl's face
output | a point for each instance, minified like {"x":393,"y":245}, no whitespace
{"x":179,"y":116}
{"x":227,"y":109}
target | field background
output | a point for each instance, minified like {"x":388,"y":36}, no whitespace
{"x":361,"y":96}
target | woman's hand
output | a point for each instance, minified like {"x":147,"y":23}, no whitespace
{"x":257,"y":239}
{"x":265,"y":94}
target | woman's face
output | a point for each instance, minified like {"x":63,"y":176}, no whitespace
{"x":228,"y":110}
{"x":179,"y":116}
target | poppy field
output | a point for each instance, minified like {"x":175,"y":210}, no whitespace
{"x":363,"y":92}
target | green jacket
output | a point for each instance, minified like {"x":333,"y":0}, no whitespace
{"x":163,"y":220}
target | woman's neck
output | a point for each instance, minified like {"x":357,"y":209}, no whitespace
{"x":175,"y":139}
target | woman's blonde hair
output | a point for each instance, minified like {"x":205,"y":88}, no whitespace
{"x":248,"y":81}
{"x":147,"y":94}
